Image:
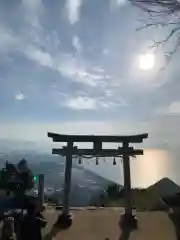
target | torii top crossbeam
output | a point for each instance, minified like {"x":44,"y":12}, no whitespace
{"x":97,"y":138}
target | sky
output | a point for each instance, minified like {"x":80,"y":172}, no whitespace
{"x":71,"y":66}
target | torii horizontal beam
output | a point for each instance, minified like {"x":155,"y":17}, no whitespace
{"x":97,"y":138}
{"x":101,"y":153}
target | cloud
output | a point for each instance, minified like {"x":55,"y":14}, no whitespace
{"x":43,"y":58}
{"x":67,"y":65}
{"x":73,"y":10}
{"x":105,"y":51}
{"x":76,"y":44}
{"x":32,"y":11}
{"x":76,"y":70}
{"x":73,"y":67}
{"x":89,"y":102}
{"x":98,"y":69}
{"x":19,"y":96}
{"x":109,"y":93}
{"x":121,"y":2}
{"x":7,"y":40}
{"x":114,"y":4}
{"x":105,"y":105}
{"x":81,"y":103}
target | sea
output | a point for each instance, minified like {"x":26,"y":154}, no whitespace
{"x":147,"y":169}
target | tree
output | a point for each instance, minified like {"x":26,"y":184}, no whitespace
{"x":165,"y":14}
{"x":113,"y":191}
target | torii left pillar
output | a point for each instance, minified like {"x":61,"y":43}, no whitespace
{"x":128,"y":220}
{"x":65,"y":218}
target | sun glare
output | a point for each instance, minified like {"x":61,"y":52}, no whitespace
{"x":146,"y":61}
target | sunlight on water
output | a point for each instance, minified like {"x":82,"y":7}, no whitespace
{"x":150,"y":167}
{"x":145,"y":170}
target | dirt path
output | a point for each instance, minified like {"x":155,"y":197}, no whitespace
{"x":103,"y":223}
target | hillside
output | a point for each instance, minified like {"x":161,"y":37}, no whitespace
{"x":164,"y":187}
{"x":149,"y":198}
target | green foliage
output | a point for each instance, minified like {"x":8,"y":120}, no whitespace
{"x":113,"y":191}
{"x":141,"y":199}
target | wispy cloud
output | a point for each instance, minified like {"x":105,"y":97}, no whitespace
{"x":73,"y":68}
{"x":121,"y":2}
{"x":43,"y":58}
{"x":73,"y":10}
{"x":76,"y":44}
{"x":89,"y":102}
{"x":98,"y":69}
{"x":69,"y":66}
{"x":113,"y":103}
{"x":114,"y":4}
{"x":32,"y":11}
{"x":81,"y":103}
{"x":7,"y":40}
{"x":77,"y":70}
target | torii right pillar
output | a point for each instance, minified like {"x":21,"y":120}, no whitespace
{"x":128,"y":220}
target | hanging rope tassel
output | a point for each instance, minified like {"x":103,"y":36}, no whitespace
{"x":97,"y":161}
{"x":114,"y":161}
{"x":80,"y":160}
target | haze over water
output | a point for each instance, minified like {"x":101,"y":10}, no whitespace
{"x":145,"y":170}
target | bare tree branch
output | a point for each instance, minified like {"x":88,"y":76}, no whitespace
{"x":157,"y":24}
{"x":162,"y":8}
{"x":158,"y":6}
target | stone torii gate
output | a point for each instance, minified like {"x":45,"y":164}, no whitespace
{"x":65,"y":220}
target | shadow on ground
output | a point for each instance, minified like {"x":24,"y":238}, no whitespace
{"x":175,"y":218}
{"x":52,"y":233}
{"x":125,"y":235}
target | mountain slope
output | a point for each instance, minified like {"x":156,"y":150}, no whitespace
{"x":164,"y":187}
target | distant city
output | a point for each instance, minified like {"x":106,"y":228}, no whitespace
{"x":85,"y":184}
